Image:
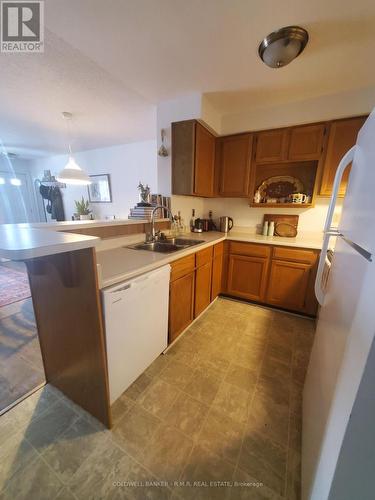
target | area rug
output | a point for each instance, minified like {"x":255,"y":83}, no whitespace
{"x":14,"y":286}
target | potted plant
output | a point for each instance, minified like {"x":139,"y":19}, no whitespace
{"x":83,"y":209}
{"x":144,"y":194}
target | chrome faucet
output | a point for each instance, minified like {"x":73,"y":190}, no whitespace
{"x":156,"y":234}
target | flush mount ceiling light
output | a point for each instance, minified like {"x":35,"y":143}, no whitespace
{"x":72,"y":173}
{"x":282,"y":46}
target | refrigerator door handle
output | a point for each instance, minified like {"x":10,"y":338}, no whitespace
{"x":344,"y":163}
{"x":328,"y":229}
{"x":319,"y":293}
{"x":362,"y":251}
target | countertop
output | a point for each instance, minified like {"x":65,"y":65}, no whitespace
{"x":27,"y":241}
{"x":82,"y":224}
{"x":22,"y":243}
{"x":121,"y":263}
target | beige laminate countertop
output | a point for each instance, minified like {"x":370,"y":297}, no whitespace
{"x":121,"y":263}
{"x":30,"y":240}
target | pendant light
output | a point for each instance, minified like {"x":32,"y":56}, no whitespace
{"x":282,"y":46}
{"x":72,"y":173}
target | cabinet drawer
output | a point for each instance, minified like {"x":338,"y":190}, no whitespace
{"x":250,"y":249}
{"x":218,"y":249}
{"x":294,"y":254}
{"x":182,"y":266}
{"x":204,"y":256}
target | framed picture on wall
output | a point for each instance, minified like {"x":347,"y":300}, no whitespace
{"x":100,"y":189}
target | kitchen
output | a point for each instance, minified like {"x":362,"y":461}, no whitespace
{"x":176,"y":346}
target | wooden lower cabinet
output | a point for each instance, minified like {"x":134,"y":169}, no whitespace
{"x":202,"y":288}
{"x":217,"y":274}
{"x":288,"y":284}
{"x":181,"y":304}
{"x":247,"y":277}
{"x":279,"y":276}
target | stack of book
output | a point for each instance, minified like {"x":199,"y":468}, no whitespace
{"x":139,"y":212}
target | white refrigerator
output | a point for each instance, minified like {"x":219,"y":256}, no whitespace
{"x":338,"y":437}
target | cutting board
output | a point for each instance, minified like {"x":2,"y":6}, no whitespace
{"x":276,"y":218}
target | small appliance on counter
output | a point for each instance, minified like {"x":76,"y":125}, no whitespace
{"x":226,"y":224}
{"x":201,"y":225}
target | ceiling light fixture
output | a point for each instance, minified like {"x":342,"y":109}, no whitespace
{"x":282,"y":46}
{"x":72,"y":173}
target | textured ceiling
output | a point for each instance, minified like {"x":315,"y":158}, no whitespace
{"x":110,"y":62}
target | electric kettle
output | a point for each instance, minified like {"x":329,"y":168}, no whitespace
{"x":226,"y":224}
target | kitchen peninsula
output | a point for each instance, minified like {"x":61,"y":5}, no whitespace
{"x":68,"y":264}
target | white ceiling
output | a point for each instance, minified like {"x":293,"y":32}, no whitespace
{"x":110,"y":62}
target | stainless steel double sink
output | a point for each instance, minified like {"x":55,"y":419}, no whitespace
{"x":168,"y":245}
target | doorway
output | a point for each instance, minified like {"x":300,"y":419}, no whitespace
{"x":16,"y":199}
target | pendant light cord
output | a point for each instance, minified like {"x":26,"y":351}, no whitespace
{"x":67,"y":117}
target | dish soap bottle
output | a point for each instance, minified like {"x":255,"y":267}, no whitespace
{"x":192,"y":220}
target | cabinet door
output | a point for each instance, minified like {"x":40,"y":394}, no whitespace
{"x":247,"y":277}
{"x":342,"y":136}
{"x":202,"y":288}
{"x":181,"y":305}
{"x":217,"y":272}
{"x":306,"y":143}
{"x":288,"y":284}
{"x":235,"y":162}
{"x":271,"y":146}
{"x":204,"y":162}
{"x":183,"y":141}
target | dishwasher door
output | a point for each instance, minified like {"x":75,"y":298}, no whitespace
{"x":136,"y":326}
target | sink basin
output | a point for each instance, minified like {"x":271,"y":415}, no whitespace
{"x":183,"y":241}
{"x":166,"y":246}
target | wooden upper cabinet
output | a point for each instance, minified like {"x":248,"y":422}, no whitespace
{"x":342,"y":136}
{"x":306,"y":142}
{"x":204,"y":161}
{"x":193,"y":159}
{"x":235,"y":164}
{"x":271,"y":146}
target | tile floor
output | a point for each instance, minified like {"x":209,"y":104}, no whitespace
{"x":217,"y":417}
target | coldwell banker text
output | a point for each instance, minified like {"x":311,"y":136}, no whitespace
{"x":22,"y":26}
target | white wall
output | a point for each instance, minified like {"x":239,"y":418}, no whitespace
{"x":126,"y":164}
{"x":310,"y":219}
{"x":326,"y":107}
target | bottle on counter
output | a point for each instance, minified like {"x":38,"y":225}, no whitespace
{"x":271,"y":228}
{"x":192,"y":220}
{"x":265,"y":228}
{"x":211,"y":223}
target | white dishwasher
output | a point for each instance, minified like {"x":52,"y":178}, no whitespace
{"x":136,"y":326}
